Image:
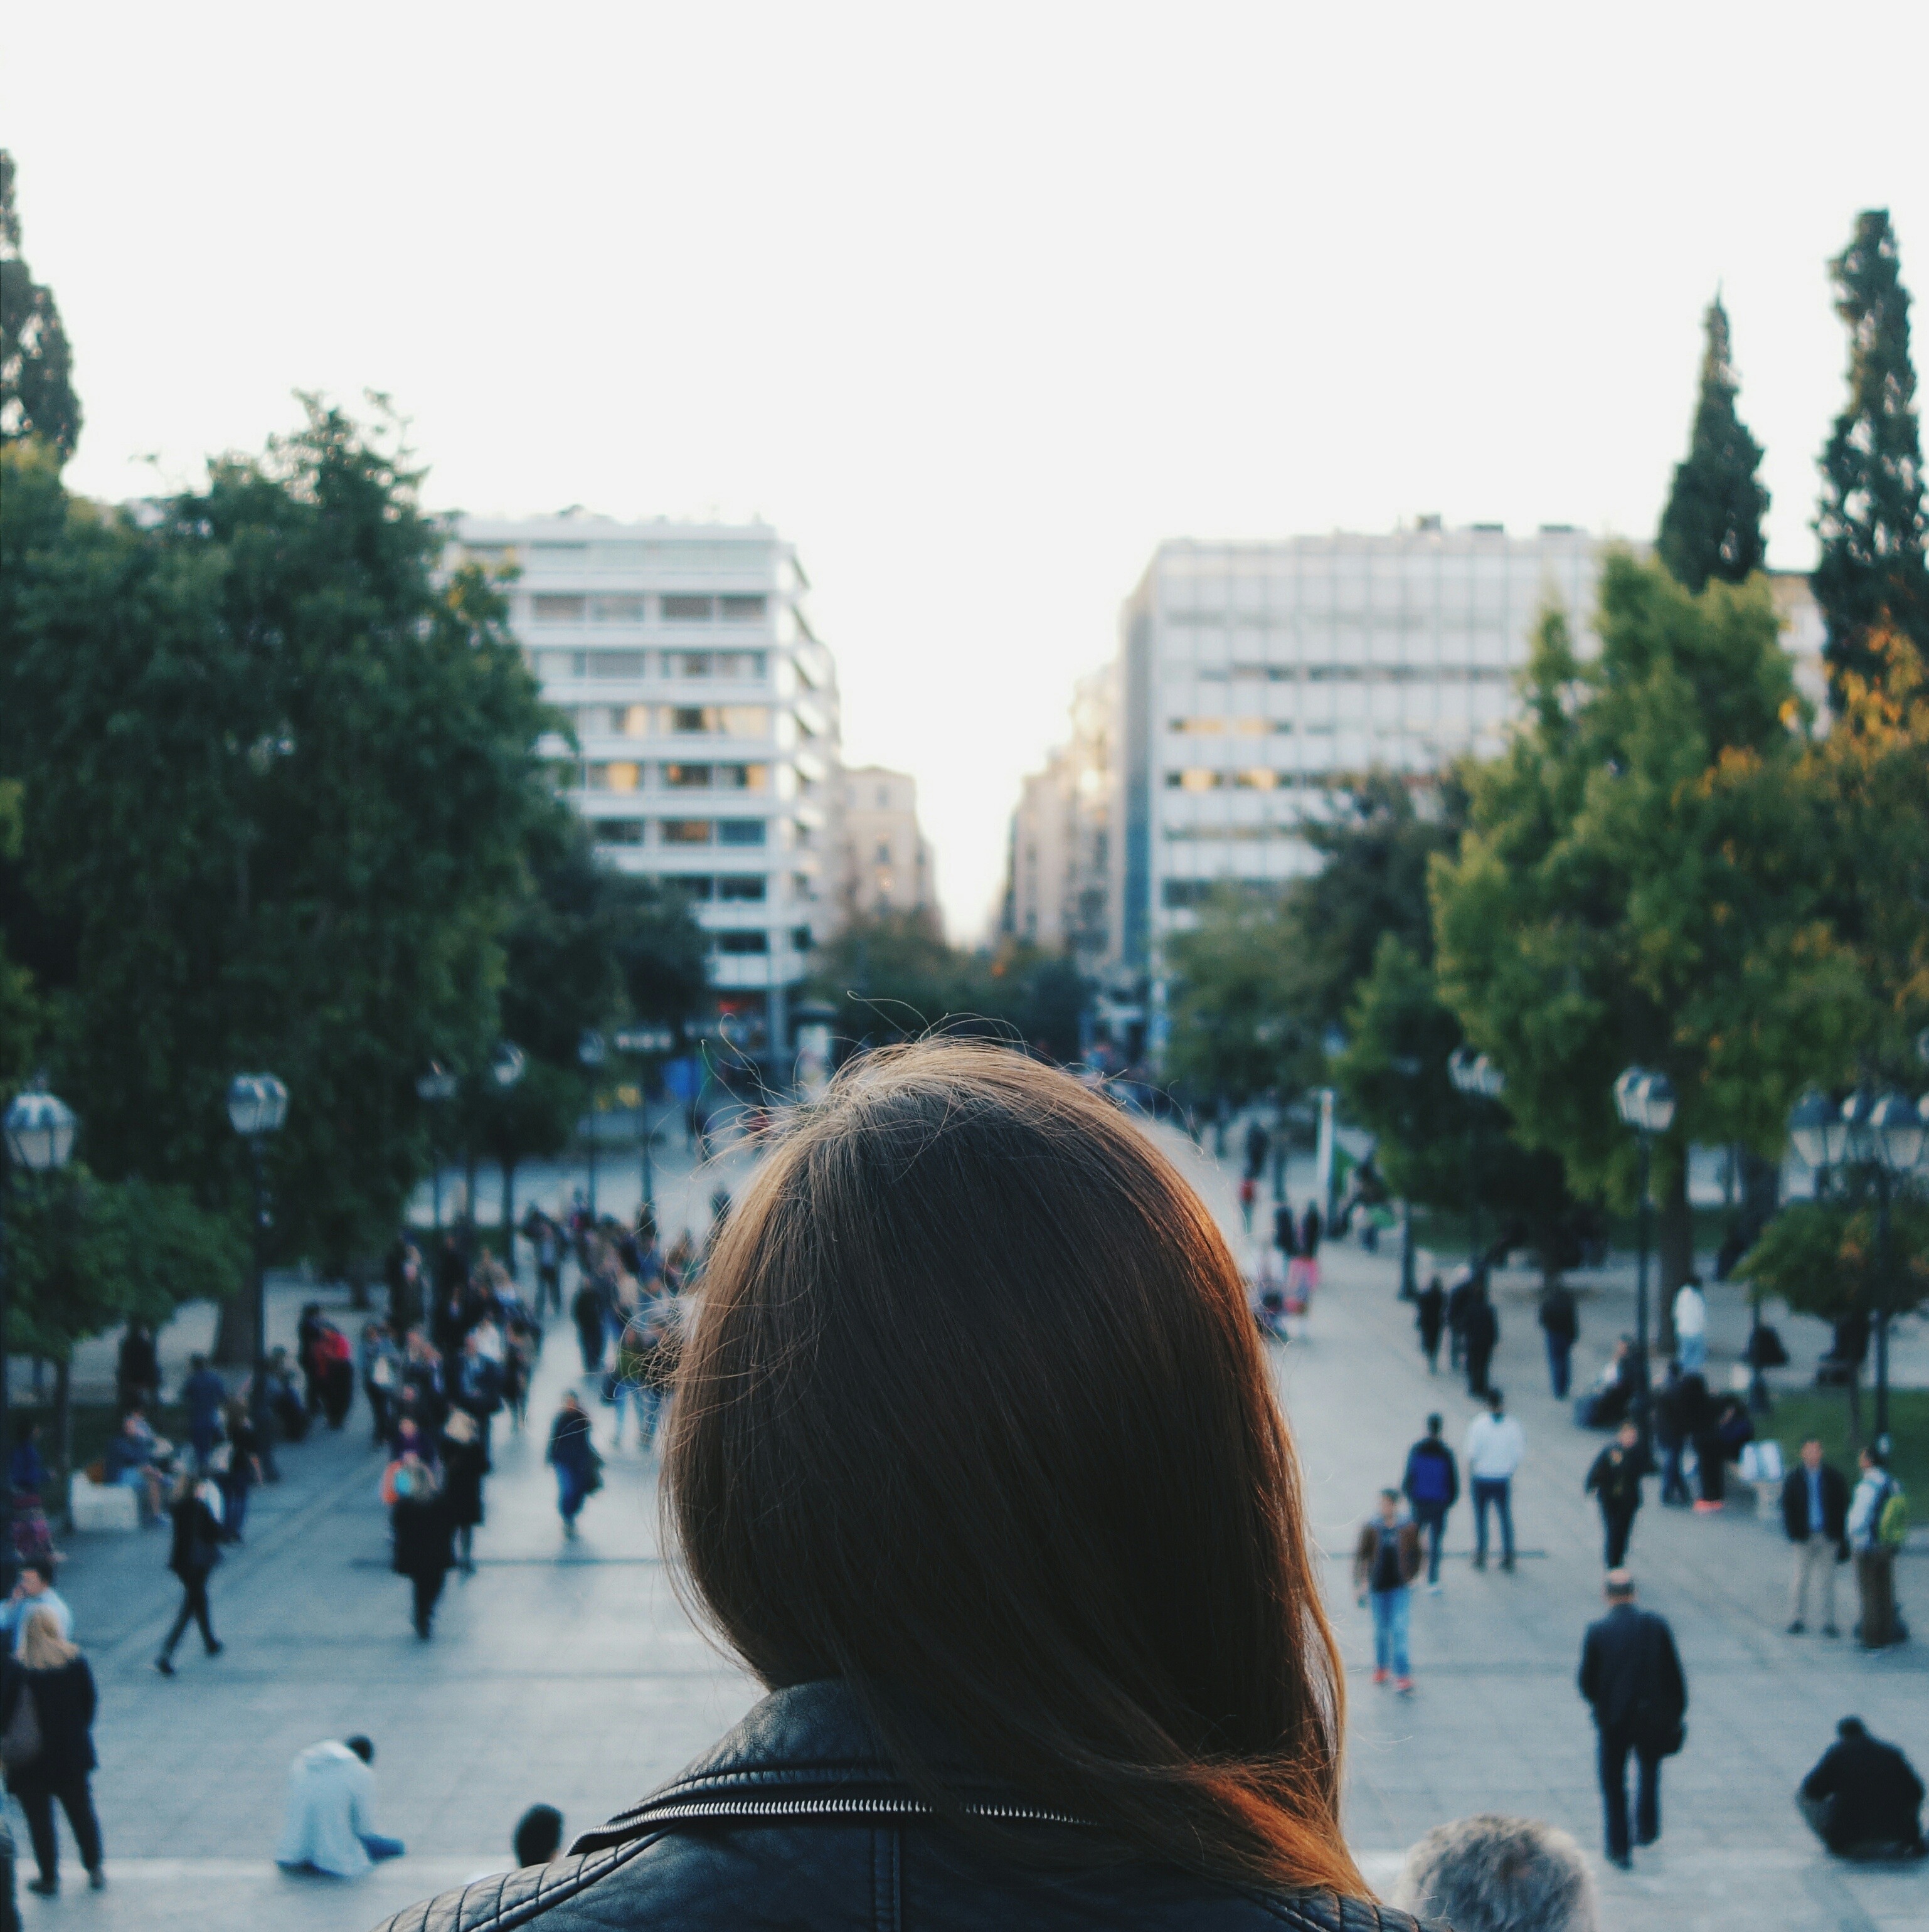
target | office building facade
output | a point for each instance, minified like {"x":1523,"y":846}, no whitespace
{"x":706,"y":716}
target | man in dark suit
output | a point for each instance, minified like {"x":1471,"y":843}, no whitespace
{"x":1815,"y":1513}
{"x":1631,"y":1674}
{"x":1864,"y":1800}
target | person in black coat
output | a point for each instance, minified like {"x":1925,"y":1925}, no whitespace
{"x":1615,"y":1483}
{"x":195,"y":1551}
{"x":1815,"y":1514}
{"x":1864,"y":1799}
{"x":424,"y":1551}
{"x":1560,"y":1321}
{"x":1631,"y":1674}
{"x":1429,"y":1316}
{"x":465,"y":1462}
{"x":1481,"y":1336}
{"x":54,"y":1674}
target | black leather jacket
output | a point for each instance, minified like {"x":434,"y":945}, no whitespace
{"x":793,"y":1821}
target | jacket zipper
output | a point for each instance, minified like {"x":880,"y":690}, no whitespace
{"x":711,"y":1809}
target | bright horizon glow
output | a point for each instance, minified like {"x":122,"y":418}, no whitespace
{"x":975,"y":308}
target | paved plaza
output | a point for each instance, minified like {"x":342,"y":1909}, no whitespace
{"x":570,"y":1675}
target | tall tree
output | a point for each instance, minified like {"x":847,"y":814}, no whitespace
{"x":1712,"y":526}
{"x":277,"y":777}
{"x":1642,"y":882}
{"x":37,"y":397}
{"x":1871,"y":518}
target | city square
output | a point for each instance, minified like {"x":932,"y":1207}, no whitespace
{"x":963,"y":972}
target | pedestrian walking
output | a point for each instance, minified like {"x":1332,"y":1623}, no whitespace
{"x":579,"y":1469}
{"x":1877,"y":1525}
{"x":47,"y":1746}
{"x":203,"y":1395}
{"x":1726,"y":1430}
{"x":381,"y":1379}
{"x":1432,"y":1487}
{"x":1114,"y":1595}
{"x":1480,"y":1337}
{"x":1493,"y":1452}
{"x":137,"y":1368}
{"x":424,"y":1539}
{"x":1631,"y":1674}
{"x":1385,"y":1561}
{"x":465,"y":1463}
{"x":1429,"y":1316}
{"x":1815,"y":1514}
{"x":1560,"y":1322}
{"x":545,"y":1238}
{"x":1691,"y":1326}
{"x":328,"y":1826}
{"x":585,"y":1310}
{"x":1459,"y":1299}
{"x":1615,"y":1482}
{"x":1864,"y":1800}
{"x":1674,"y":1422}
{"x":1303,"y":1270}
{"x":244,"y":1470}
{"x":196,"y":1513}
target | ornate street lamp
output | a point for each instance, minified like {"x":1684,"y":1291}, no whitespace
{"x":40,"y":1132}
{"x":591,"y":1052}
{"x":1476,"y":1078}
{"x":646,"y":1044}
{"x":435,"y":1089}
{"x":505,"y":1069}
{"x":1646,"y":1101}
{"x":257,"y":1105}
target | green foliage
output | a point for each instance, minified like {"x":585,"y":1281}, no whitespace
{"x":37,"y":398}
{"x":1821,"y":1257}
{"x":1712,"y":526}
{"x":277,"y":783}
{"x":1642,"y":882}
{"x":84,"y":1254}
{"x":19,"y":1011}
{"x":1263,"y":978}
{"x":1871,"y":519}
{"x":892,"y":975}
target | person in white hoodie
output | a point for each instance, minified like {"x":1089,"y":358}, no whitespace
{"x":1690,"y":1326}
{"x":1493,"y":1451}
{"x":331,"y":1804}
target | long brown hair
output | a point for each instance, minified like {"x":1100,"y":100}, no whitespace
{"x":974,"y":1418}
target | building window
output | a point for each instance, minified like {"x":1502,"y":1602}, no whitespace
{"x":743,"y":609}
{"x":1182,"y":894}
{"x":553,"y":607}
{"x":690,"y":663}
{"x":743,"y":777}
{"x":691,"y":885}
{"x":615,"y":663}
{"x":623,"y":610}
{"x":802,"y":939}
{"x":694,"y":717}
{"x":631,"y":721}
{"x":740,"y":831}
{"x":619,"y":775}
{"x":747,"y":666}
{"x":616,"y":831}
{"x":1260,"y":778}
{"x":686,"y":831}
{"x":743,"y":942}
{"x":746,"y":721}
{"x":883,"y":798}
{"x":558,"y":664}
{"x":686,"y":610}
{"x":746,"y":887}
{"x":687,"y":777}
{"x":883,"y":852}
{"x":1196,"y":779}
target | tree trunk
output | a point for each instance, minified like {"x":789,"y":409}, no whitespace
{"x":234,"y":1330}
{"x":1674,"y":1243}
{"x":509,"y":1215}
{"x":357,"y":1284}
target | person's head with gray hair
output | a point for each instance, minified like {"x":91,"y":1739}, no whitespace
{"x":1493,"y":1874}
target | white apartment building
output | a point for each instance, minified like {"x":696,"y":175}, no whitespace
{"x":886,"y":863}
{"x":706,"y":722}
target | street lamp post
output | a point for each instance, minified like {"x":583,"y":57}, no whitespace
{"x":646,"y":1044}
{"x":1646,"y":1101}
{"x":257,"y":1105}
{"x":505,"y":1069}
{"x":1887,"y":1133}
{"x":435,"y":1089}
{"x":1476,"y":1078}
{"x":40,"y":1133}
{"x":591,"y":1052}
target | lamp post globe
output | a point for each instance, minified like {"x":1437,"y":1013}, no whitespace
{"x":39,"y":1130}
{"x":591,"y":1051}
{"x":1808,"y":1129}
{"x":1898,"y":1131}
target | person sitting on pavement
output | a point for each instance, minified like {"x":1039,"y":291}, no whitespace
{"x":1864,"y":1799}
{"x":1488,"y":1873}
{"x":34,"y":1590}
{"x":331,"y":1811}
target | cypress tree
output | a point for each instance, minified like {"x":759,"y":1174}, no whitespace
{"x":1871,"y":520}
{"x":1712,"y":526}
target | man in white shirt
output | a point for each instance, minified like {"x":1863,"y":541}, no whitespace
{"x":1690,"y":1327}
{"x":1493,"y":1452}
{"x":331,"y":1802}
{"x":33,"y":1591}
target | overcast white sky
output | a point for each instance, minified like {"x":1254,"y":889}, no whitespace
{"x":975,"y":303}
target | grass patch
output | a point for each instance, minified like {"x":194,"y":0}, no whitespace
{"x":1825,"y":1412}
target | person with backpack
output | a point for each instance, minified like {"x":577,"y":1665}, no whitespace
{"x":1878,"y":1527}
{"x":47,"y":1701}
{"x":1431,"y":1485}
{"x":198,"y":1513}
{"x":1385,"y":1561}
